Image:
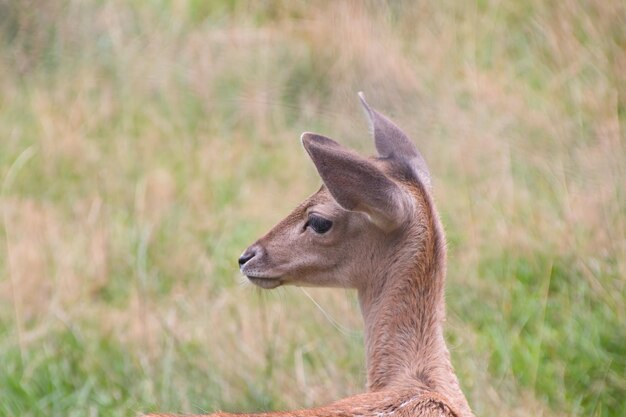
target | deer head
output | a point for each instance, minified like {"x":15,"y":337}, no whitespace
{"x":365,"y":211}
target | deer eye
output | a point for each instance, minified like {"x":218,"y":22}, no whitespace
{"x":319,"y":224}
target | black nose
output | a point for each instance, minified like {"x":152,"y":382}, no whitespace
{"x":246,"y":256}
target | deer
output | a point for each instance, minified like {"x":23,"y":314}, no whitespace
{"x":372,"y":227}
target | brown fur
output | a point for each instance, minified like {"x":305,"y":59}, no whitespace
{"x":387,"y":243}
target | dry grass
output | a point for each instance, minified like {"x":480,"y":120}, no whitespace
{"x":144,"y":145}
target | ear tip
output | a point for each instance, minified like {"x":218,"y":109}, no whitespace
{"x":306,"y":138}
{"x":312,"y":141}
{"x":363,"y":101}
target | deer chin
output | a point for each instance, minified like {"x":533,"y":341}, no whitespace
{"x":267,"y":283}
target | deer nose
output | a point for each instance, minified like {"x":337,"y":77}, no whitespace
{"x":247,"y":255}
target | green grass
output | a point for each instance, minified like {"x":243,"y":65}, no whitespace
{"x":145,"y":144}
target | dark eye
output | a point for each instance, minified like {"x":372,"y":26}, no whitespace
{"x":319,"y":224}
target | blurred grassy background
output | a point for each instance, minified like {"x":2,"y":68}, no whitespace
{"x":145,"y":144}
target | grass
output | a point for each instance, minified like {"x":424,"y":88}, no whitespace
{"x":145,"y":144}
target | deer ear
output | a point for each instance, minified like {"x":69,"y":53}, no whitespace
{"x":355,"y":183}
{"x":393,"y":143}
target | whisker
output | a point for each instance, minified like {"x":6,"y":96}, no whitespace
{"x":343,"y":329}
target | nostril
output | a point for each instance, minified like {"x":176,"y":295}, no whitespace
{"x":246,"y":256}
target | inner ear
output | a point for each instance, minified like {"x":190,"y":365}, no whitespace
{"x":391,"y":142}
{"x":356,"y":183}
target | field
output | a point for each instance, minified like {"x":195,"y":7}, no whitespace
{"x":145,"y":144}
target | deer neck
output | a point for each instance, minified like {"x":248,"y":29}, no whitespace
{"x":403,"y":311}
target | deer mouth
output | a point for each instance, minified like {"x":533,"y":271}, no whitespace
{"x":267,"y":283}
